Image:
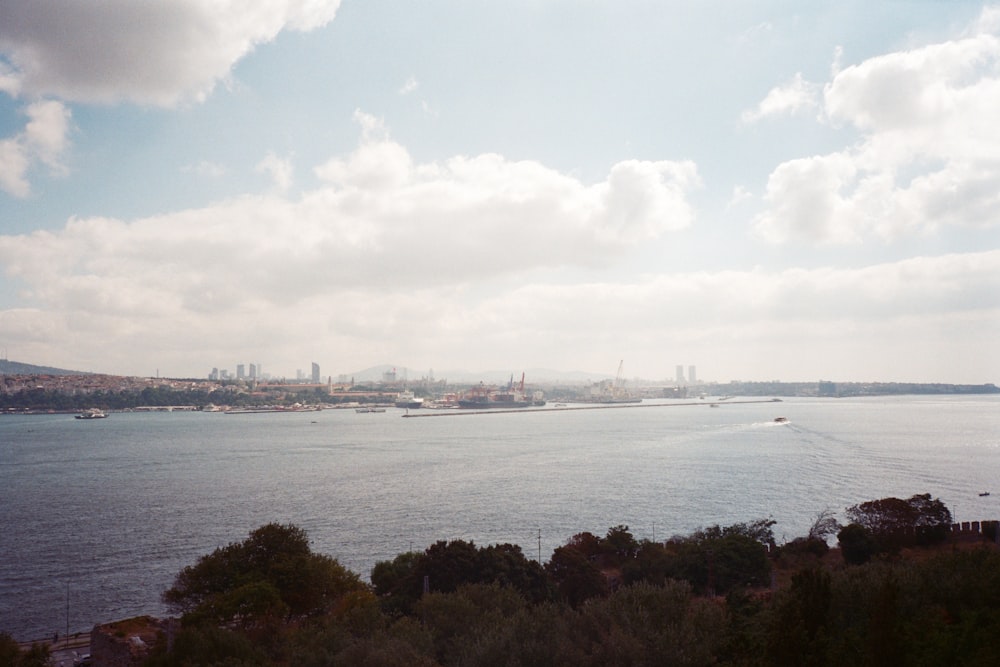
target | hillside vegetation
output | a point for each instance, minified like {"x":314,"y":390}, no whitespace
{"x":899,"y":589}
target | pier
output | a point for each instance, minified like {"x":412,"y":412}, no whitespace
{"x":459,"y":412}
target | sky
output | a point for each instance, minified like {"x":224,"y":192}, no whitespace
{"x":766,"y":190}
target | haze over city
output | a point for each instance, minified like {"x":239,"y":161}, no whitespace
{"x":766,"y":190}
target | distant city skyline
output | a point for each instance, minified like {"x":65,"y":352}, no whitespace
{"x":777,"y":190}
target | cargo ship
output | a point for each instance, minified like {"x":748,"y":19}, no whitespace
{"x":510,"y":397}
{"x":406,"y":399}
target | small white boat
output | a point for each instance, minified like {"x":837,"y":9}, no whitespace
{"x":92,"y":413}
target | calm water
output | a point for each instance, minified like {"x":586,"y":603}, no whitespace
{"x":96,"y":518}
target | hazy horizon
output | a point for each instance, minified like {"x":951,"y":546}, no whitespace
{"x":778,"y":190}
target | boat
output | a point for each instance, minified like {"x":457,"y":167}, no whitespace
{"x":610,"y":392}
{"x":780,"y":420}
{"x":984,"y":493}
{"x":369,"y":409}
{"x":511,"y":397}
{"x":406,"y":399}
{"x":92,"y":413}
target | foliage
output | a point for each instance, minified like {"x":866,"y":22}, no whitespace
{"x":208,"y":647}
{"x":715,"y":560}
{"x":575,"y":575}
{"x":445,"y":566}
{"x":942,"y":609}
{"x":824,"y":526}
{"x":856,"y":544}
{"x":12,"y":656}
{"x":270,"y":576}
{"x":894,"y":522}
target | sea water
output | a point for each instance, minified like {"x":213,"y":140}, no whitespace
{"x":98,"y":517}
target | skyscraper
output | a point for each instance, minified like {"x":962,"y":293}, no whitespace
{"x":680,"y":374}
{"x":692,"y":376}
{"x":315,"y":373}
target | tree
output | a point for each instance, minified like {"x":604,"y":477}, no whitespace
{"x":505,"y":564}
{"x":618,"y":546}
{"x":717,"y":560}
{"x":395,"y":583}
{"x":576,"y":576}
{"x":824,"y":526}
{"x":856,"y":544}
{"x":270,"y":575}
{"x":894,"y":522}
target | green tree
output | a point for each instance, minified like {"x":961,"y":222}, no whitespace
{"x":715,"y":560}
{"x":396,"y":583}
{"x":10,"y":651}
{"x":856,"y":544}
{"x":270,"y":575}
{"x":576,"y":576}
{"x":12,"y":656}
{"x":618,"y":546}
{"x":895,"y":522}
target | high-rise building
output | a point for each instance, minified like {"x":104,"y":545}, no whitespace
{"x":241,"y":371}
{"x":692,"y":376}
{"x":315,"y":373}
{"x":680,"y":374}
{"x":253,"y":371}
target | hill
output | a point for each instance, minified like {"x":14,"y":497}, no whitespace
{"x":19,"y":368}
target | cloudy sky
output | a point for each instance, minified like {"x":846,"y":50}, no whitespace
{"x":766,"y":190}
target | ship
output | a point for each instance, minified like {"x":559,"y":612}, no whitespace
{"x":406,"y":399}
{"x":93,"y":413}
{"x":610,"y":392}
{"x":483,"y":397}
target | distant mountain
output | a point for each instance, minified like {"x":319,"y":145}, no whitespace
{"x":19,"y":368}
{"x":458,"y":376}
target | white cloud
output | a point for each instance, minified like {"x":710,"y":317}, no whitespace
{"x":158,"y":52}
{"x":14,"y":168}
{"x":10,"y":83}
{"x":346,"y":257}
{"x":44,"y":140}
{"x":927,"y":157}
{"x":262,"y":274}
{"x":390,"y":257}
{"x":788,"y":99}
{"x":410,"y":86}
{"x":206,"y":169}
{"x":740,"y":194}
{"x":280,"y":170}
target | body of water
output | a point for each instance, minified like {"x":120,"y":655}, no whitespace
{"x":97,"y":517}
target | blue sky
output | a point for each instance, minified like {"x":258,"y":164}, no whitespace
{"x":766,"y":190}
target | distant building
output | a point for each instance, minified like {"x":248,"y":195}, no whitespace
{"x":680,"y":374}
{"x":241,"y":371}
{"x":253,"y":371}
{"x":692,"y":376}
{"x":214,"y":375}
{"x":315,"y":373}
{"x":826,"y":388}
